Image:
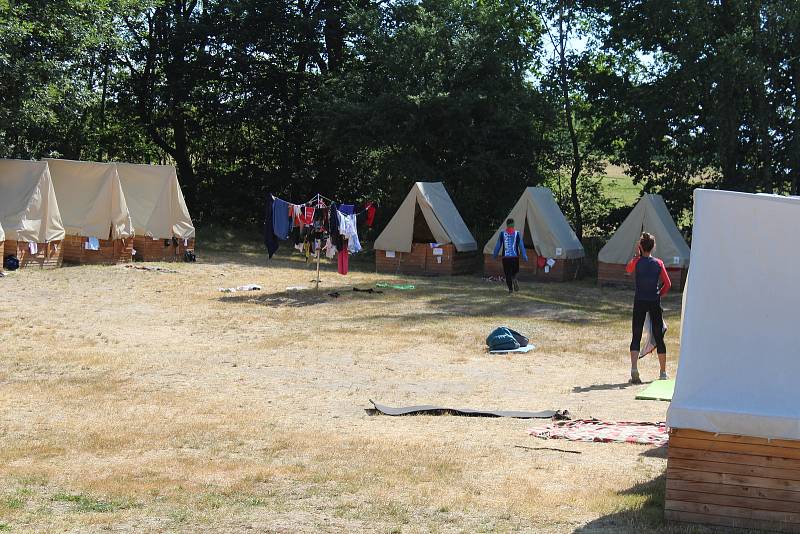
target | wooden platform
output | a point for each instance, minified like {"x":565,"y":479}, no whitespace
{"x":613,"y":274}
{"x":48,"y":255}
{"x":562,"y":271}
{"x":423,"y":259}
{"x":112,"y":251}
{"x":149,"y":249}
{"x":733,"y":481}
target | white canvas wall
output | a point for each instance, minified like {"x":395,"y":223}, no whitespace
{"x":739,"y":366}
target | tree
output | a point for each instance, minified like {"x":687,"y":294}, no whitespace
{"x":438,"y":90}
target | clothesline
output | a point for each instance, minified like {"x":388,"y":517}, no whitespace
{"x":316,"y":198}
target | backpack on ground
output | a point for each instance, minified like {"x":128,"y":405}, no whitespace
{"x":11,"y":263}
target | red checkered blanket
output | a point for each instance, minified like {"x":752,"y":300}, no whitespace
{"x":604,"y":431}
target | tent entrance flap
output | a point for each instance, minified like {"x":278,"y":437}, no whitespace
{"x":527,"y":238}
{"x":422,"y":230}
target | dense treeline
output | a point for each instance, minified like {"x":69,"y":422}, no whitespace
{"x":358,"y":99}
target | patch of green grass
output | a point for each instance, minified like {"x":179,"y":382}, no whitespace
{"x":85,"y":503}
{"x":5,"y":527}
{"x":622,"y":189}
{"x":11,"y":502}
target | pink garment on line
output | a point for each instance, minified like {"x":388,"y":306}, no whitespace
{"x":344,"y":260}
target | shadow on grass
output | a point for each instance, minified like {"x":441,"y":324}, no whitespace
{"x":601,"y":387}
{"x":658,"y":452}
{"x":576,"y":303}
{"x":642,"y":510}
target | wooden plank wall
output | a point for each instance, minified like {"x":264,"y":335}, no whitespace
{"x":48,"y":255}
{"x":613,"y":274}
{"x":562,"y":271}
{"x":422,"y":260}
{"x":733,"y":481}
{"x":112,"y":251}
{"x":149,"y":249}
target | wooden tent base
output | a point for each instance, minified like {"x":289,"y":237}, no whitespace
{"x":733,"y":481}
{"x":562,"y":271}
{"x":48,"y":255}
{"x":112,"y":251}
{"x":423,"y":259}
{"x":149,"y":249}
{"x":613,"y":274}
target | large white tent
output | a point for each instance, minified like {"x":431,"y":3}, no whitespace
{"x":537,"y":215}
{"x":739,"y":359}
{"x":155,"y":201}
{"x":28,"y":207}
{"x":440,"y":214}
{"x":90,"y":199}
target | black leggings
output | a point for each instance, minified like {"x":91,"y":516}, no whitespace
{"x":640,"y":309}
{"x":510,"y":268}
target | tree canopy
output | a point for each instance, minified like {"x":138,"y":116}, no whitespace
{"x":359,"y":99}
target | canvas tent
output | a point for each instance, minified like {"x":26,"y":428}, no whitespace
{"x":734,"y":451}
{"x":649,"y":215}
{"x":426,"y":235}
{"x":546,"y":234}
{"x":161,"y":221}
{"x":96,"y":219}
{"x":29,"y":213}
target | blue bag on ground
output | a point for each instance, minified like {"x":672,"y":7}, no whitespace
{"x":502,"y":339}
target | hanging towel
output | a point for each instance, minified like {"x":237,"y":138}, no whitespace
{"x":281,"y":222}
{"x":93,"y":244}
{"x":347,"y":209}
{"x":297,"y":215}
{"x":308,"y":215}
{"x":344,"y":260}
{"x":33,"y":247}
{"x":270,"y":241}
{"x":370,"y":214}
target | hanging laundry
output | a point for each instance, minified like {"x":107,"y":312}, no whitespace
{"x":370,"y":208}
{"x":347,"y":209}
{"x":330,"y":249}
{"x":281,"y":223}
{"x":349,"y":230}
{"x":33,"y":247}
{"x":93,"y":244}
{"x":344,"y":260}
{"x":308,"y":215}
{"x":333,"y":227}
{"x":297,"y":215}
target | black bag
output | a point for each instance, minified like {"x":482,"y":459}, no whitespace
{"x":11,"y":263}
{"x":189,"y":256}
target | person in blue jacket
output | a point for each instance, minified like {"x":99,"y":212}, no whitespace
{"x":510,"y":242}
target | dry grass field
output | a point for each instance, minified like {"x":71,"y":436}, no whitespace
{"x":134,"y":401}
